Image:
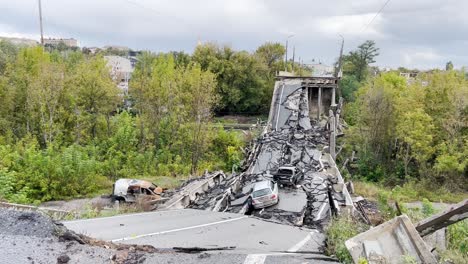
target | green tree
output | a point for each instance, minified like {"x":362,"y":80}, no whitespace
{"x":449,"y":66}
{"x":348,"y":85}
{"x":415,"y":129}
{"x":8,"y":52}
{"x":244,"y":80}
{"x":47,"y":97}
{"x":202,"y":98}
{"x":272,"y":55}
{"x":357,"y":62}
{"x":95,"y":96}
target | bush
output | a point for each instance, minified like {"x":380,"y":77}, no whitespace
{"x":409,"y":192}
{"x":457,"y":235}
{"x":53,"y":173}
{"x":340,"y":230}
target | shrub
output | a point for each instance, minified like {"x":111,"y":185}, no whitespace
{"x":457,"y":236}
{"x":341,"y":229}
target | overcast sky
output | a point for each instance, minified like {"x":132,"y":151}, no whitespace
{"x":411,"y":33}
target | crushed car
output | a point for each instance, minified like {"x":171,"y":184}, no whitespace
{"x":130,"y":190}
{"x":264,"y":194}
{"x":288,"y":175}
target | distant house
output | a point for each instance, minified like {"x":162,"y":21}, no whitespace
{"x":121,"y":71}
{"x":116,"y":47}
{"x":93,"y":50}
{"x":69,"y":42}
{"x":409,"y":75}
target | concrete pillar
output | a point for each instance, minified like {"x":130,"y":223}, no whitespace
{"x":333,"y":103}
{"x":332,"y":134}
{"x":319,"y":102}
{"x":337,"y":122}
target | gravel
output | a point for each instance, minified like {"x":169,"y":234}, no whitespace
{"x":26,"y":224}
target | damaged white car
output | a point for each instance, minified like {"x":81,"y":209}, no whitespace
{"x":129,"y":190}
{"x":264,"y":194}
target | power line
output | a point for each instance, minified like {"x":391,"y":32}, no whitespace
{"x":142,"y":6}
{"x":151,"y":9}
{"x":378,"y":13}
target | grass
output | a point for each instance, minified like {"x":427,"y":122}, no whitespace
{"x":341,"y":229}
{"x":94,"y":211}
{"x":453,"y":256}
{"x":409,"y":192}
{"x":166,"y":182}
{"x":457,"y":236}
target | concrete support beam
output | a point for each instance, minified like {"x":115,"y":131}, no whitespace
{"x":333,"y":101}
{"x":319,"y":102}
{"x":332,"y":134}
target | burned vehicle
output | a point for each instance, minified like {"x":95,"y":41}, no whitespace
{"x":288,"y":175}
{"x":129,"y":190}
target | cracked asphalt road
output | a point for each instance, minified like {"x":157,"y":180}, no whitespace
{"x":256,"y":241}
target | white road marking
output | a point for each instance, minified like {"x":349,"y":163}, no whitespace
{"x":178,"y":229}
{"x":319,"y":215}
{"x":279,"y":107}
{"x":118,"y":216}
{"x":255,"y":259}
{"x":301,"y":243}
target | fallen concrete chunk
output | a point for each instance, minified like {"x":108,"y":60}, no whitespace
{"x":390,"y":242}
{"x":450,"y":216}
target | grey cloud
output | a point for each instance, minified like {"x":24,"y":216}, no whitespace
{"x":418,"y":33}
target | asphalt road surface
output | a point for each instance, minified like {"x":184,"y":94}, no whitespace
{"x":255,"y":241}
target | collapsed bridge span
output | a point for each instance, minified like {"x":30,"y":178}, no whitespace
{"x":301,"y":132}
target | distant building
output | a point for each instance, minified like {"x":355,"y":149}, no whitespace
{"x":121,"y":71}
{"x":71,"y":42}
{"x":93,"y":50}
{"x":116,"y":47}
{"x":409,"y":75}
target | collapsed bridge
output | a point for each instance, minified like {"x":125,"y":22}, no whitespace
{"x":302,"y":127}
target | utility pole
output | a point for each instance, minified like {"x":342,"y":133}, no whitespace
{"x":286,"y":54}
{"x":300,"y":65}
{"x":294,"y":54}
{"x":40,"y":22}
{"x":340,"y":61}
{"x":286,"y":57}
{"x":339,"y":73}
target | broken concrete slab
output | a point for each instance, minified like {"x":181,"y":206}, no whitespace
{"x":390,"y":242}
